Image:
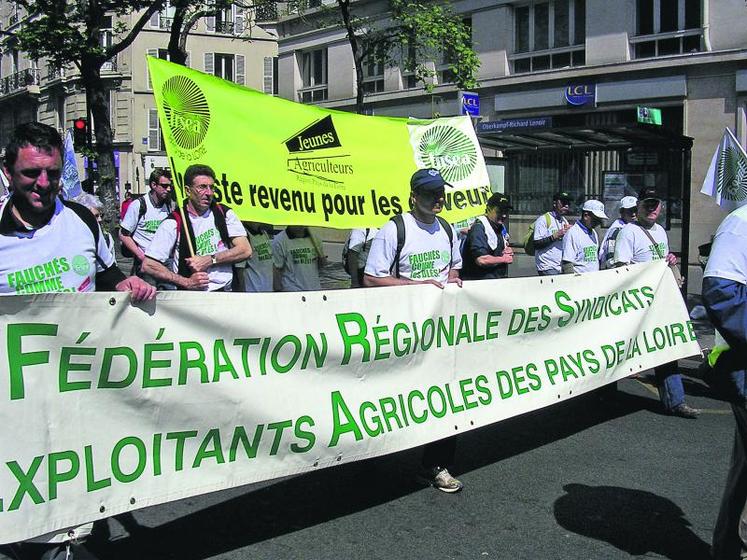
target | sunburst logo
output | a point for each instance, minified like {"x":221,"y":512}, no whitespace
{"x":187,"y":111}
{"x":732,"y":175}
{"x":449,"y":150}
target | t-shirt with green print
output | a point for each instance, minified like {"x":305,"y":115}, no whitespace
{"x":634,"y":246}
{"x":580,"y":248}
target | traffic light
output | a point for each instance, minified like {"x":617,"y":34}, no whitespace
{"x":80,"y":134}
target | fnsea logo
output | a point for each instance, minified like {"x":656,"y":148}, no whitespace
{"x":447,"y":149}
{"x":187,"y":112}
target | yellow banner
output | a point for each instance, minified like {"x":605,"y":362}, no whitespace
{"x":281,"y":162}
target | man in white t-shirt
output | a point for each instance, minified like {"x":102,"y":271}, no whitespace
{"x":47,"y":245}
{"x":581,"y":243}
{"x":297,"y":257}
{"x":725,"y":299}
{"x":549,"y":229}
{"x":358,"y":246}
{"x":144,"y":215}
{"x":256,"y":271}
{"x":198,"y":254}
{"x":644,"y":241}
{"x":420,"y":247}
{"x":628,"y":205}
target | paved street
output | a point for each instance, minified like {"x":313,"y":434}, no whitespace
{"x":583,"y":479}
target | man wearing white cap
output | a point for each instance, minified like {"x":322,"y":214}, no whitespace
{"x":581,"y":243}
{"x":628,"y":205}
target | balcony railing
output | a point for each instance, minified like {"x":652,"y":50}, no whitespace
{"x":224,"y":27}
{"x":109,"y":65}
{"x":165,"y":22}
{"x":54,"y":72}
{"x":12,"y":19}
{"x":267,"y":12}
{"x":19,"y":81}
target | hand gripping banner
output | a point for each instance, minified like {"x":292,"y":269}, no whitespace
{"x":281,"y":162}
{"x":107,"y":407}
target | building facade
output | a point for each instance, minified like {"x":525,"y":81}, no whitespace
{"x":229,"y":45}
{"x":570,"y":93}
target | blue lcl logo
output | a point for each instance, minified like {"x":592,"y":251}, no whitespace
{"x":580,"y":94}
{"x":470,"y":104}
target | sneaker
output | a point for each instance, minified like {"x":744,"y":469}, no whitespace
{"x":441,"y":479}
{"x":685,"y":411}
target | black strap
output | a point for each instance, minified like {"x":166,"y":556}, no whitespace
{"x":653,"y":242}
{"x":87,"y":218}
{"x":399,"y":221}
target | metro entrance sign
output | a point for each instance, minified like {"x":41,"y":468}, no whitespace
{"x":648,"y":115}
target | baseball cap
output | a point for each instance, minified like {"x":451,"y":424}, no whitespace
{"x":648,"y":193}
{"x":499,"y":200}
{"x":596,"y":207}
{"x":562,"y":195}
{"x":628,"y":202}
{"x":427,"y":180}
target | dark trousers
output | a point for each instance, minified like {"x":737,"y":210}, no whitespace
{"x":726,"y":542}
{"x":439,"y":453}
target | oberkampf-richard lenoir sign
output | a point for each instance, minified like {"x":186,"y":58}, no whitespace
{"x":281,"y":162}
{"x":107,"y":407}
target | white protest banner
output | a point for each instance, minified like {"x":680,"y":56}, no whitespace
{"x":107,"y":407}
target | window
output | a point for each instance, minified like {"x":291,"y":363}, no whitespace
{"x":155,"y":138}
{"x":105,"y":41}
{"x":227,"y":66}
{"x":667,"y":27}
{"x":313,"y":76}
{"x":373,"y":75}
{"x":548,"y":35}
{"x":164,"y":18}
{"x":228,"y":20}
{"x":270,"y":75}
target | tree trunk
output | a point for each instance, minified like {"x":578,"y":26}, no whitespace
{"x":177,"y":54}
{"x":357,"y":54}
{"x":97,"y":95}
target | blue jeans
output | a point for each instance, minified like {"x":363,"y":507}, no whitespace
{"x":550,"y":272}
{"x":669,"y":382}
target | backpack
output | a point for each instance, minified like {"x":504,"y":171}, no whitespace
{"x":87,"y":218}
{"x":141,"y":212}
{"x":346,"y":249}
{"x":528,"y":240}
{"x":399,"y":221}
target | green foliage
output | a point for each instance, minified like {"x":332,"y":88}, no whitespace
{"x":67,"y":32}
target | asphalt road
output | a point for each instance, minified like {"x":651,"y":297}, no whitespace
{"x":584,"y":479}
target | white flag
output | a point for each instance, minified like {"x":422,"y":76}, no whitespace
{"x":726,"y":180}
{"x":70,"y":179}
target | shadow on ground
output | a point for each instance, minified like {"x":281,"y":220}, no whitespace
{"x":304,"y":501}
{"x":634,"y":521}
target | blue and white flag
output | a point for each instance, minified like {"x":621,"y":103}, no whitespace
{"x":726,"y":180}
{"x":70,"y":179}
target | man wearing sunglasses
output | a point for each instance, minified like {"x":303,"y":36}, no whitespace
{"x":549,"y":230}
{"x":212,"y":231}
{"x":420,"y":247}
{"x":646,"y":241}
{"x":144,"y":215}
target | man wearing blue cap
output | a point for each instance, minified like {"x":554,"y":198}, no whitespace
{"x":420,"y":247}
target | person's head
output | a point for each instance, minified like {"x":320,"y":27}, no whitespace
{"x":92,"y":202}
{"x":649,"y":206}
{"x":199,"y":180}
{"x":592,"y":213}
{"x":427,"y":189}
{"x":33,"y":165}
{"x":561,"y":203}
{"x":628,"y":206}
{"x":498,"y":208}
{"x":295,"y":232}
{"x":161,"y":185}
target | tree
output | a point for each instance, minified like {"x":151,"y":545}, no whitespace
{"x":71,"y":33}
{"x":415,"y":32}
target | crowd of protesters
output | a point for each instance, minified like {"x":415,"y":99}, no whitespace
{"x":204,"y":246}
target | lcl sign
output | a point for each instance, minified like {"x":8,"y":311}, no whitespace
{"x":581,"y":94}
{"x":469,"y":103}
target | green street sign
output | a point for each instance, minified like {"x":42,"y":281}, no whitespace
{"x":649,"y":115}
